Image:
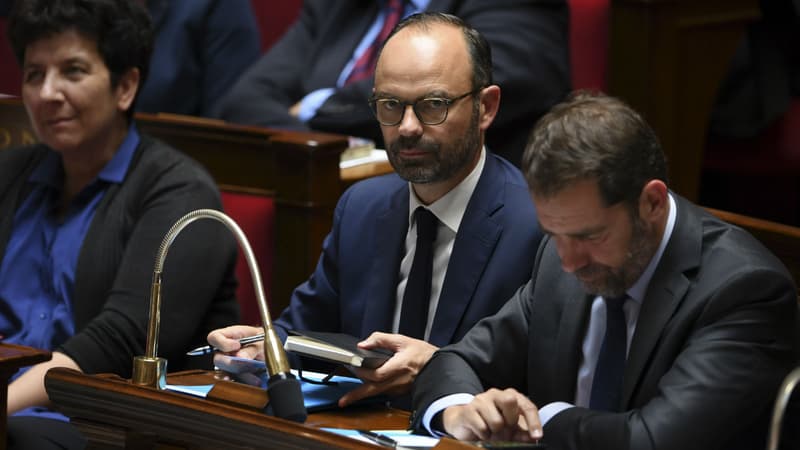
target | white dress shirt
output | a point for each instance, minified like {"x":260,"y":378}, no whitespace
{"x":449,"y":210}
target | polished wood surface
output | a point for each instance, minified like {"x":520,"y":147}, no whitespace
{"x":113,"y":413}
{"x":12,"y":358}
{"x":667,"y":58}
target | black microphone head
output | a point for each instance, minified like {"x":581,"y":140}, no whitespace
{"x":286,"y":397}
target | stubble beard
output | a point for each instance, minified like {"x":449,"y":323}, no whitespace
{"x":442,"y":163}
{"x":615,"y":281}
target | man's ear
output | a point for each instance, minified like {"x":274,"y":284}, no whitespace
{"x":653,"y":203}
{"x":126,"y":89}
{"x":490,"y":103}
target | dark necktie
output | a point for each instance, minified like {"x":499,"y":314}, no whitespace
{"x":365,"y":64}
{"x":607,"y":384}
{"x":414,"y":312}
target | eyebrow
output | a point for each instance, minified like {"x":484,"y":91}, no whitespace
{"x":432,"y":94}
{"x":576,"y":234}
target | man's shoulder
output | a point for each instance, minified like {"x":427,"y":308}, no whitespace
{"x":376,"y":189}
{"x":728,"y":251}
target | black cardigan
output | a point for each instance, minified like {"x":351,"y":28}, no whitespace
{"x":110,"y":303}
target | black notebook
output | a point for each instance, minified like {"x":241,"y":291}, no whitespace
{"x":335,"y":347}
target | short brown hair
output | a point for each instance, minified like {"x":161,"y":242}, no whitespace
{"x":593,"y":136}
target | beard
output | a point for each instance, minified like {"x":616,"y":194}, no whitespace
{"x":442,"y":160}
{"x":605,"y":281}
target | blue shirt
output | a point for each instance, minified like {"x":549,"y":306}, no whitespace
{"x":37,"y":274}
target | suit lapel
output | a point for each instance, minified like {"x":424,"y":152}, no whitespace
{"x":386,"y":256}
{"x":664,"y":294}
{"x":475,"y":242}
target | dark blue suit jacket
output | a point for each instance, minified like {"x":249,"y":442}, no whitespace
{"x":201,"y":47}
{"x":529,"y":54}
{"x":353,"y":289}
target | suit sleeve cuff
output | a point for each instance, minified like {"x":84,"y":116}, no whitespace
{"x":311,"y":103}
{"x":550,"y":410}
{"x":439,"y":406}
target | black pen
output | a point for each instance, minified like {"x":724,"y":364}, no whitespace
{"x":378,"y":438}
{"x":209,"y":349}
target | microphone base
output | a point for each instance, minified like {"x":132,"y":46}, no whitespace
{"x":149,"y":371}
{"x":286,"y":398}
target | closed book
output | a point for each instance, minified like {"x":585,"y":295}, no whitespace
{"x":335,"y":347}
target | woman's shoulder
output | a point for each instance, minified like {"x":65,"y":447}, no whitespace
{"x":15,"y":160}
{"x":156,"y":159}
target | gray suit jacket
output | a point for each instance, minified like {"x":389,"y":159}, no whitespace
{"x":717,"y":332}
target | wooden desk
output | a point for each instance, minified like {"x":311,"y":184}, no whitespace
{"x":12,"y":358}
{"x":114,"y":413}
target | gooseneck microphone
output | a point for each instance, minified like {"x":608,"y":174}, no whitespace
{"x":784,"y":394}
{"x":285,"y":396}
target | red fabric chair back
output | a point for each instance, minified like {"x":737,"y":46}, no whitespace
{"x":274,"y":18}
{"x":588,"y":43}
{"x":255,"y":215}
{"x":10,"y":74}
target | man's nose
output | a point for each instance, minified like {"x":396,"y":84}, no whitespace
{"x":410,"y":124}
{"x":572,"y":253}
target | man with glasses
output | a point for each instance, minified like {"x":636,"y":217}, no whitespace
{"x":434,"y":99}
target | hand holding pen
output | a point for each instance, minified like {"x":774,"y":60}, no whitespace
{"x":209,"y":349}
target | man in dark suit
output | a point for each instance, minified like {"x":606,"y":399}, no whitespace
{"x":301,"y":82}
{"x":704,"y":320}
{"x":433,"y":114}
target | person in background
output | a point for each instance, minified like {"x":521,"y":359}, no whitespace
{"x":85,"y":210}
{"x":648,"y":323}
{"x":201,"y":48}
{"x":318,"y":76}
{"x":449,"y":195}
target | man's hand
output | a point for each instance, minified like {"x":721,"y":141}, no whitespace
{"x":494,"y":415}
{"x":227,"y":341}
{"x":294,"y":110}
{"x":395,"y":376}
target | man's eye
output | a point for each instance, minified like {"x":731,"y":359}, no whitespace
{"x":434,"y":103}
{"x":390,"y":105}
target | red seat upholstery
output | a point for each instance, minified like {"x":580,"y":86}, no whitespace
{"x":274,"y":18}
{"x":10,"y":75}
{"x":588,"y":43}
{"x":255,"y":215}
{"x":758,"y":177}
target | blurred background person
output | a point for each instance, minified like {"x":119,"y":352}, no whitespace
{"x":84,"y":212}
{"x":318,"y":76}
{"x":201,"y":48}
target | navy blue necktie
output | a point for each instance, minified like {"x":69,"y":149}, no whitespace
{"x":607,"y":384}
{"x":417,"y":296}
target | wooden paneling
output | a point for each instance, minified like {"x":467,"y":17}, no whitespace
{"x":667,"y":59}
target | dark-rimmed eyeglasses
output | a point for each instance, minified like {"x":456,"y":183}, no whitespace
{"x":429,"y":110}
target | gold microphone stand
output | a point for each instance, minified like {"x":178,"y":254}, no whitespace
{"x":151,"y":370}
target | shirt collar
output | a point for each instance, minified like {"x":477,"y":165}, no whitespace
{"x":451,"y":207}
{"x":636,"y":292}
{"x":50,"y":172}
